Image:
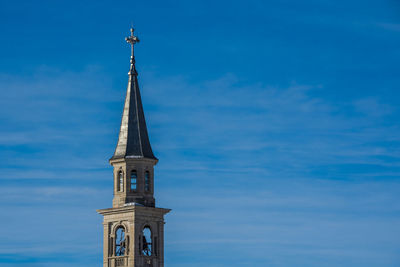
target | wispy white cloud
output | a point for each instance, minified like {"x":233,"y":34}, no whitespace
{"x":371,"y":107}
{"x":257,"y":165}
{"x":390,"y":26}
{"x":298,"y":128}
{"x":304,"y":216}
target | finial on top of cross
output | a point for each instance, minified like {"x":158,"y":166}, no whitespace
{"x":132,"y":39}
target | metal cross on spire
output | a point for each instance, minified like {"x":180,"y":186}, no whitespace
{"x":132,"y":40}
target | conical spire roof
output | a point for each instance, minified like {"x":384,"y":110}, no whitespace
{"x":133,"y":140}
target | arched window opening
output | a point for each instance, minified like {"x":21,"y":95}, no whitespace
{"x":120,"y":243}
{"x":147,"y":181}
{"x":147,"y":244}
{"x":120,"y":181}
{"x":133,"y":180}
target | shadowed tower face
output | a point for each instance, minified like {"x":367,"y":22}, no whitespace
{"x":133,"y":227}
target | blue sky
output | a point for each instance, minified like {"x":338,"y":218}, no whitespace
{"x":276,"y":124}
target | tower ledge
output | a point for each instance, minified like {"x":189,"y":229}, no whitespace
{"x":133,"y":208}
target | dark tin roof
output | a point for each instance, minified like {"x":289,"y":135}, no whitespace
{"x":133,"y":140}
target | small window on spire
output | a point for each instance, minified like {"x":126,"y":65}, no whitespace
{"x":120,"y":181}
{"x":133,"y":180}
{"x":147,"y":181}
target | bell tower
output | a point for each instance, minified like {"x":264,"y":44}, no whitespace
{"x":134,"y":226}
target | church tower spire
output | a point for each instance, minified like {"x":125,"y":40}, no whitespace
{"x":133,"y":140}
{"x":133,"y":227}
{"x":133,"y":151}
